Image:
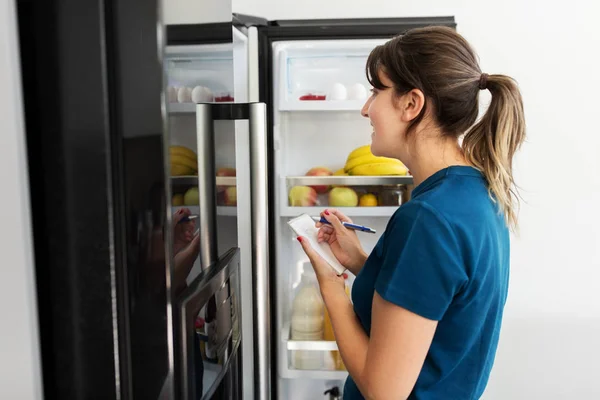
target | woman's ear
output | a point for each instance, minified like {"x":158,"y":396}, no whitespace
{"x":411,"y":105}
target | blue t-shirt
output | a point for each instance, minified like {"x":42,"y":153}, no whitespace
{"x":445,"y":256}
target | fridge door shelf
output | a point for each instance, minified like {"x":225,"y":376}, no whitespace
{"x":287,"y":372}
{"x":181,"y":108}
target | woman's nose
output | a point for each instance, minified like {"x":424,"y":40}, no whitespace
{"x":365,"y":108}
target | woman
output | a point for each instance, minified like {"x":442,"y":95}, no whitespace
{"x":428,"y":300}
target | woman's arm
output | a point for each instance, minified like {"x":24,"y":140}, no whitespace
{"x":386,"y":365}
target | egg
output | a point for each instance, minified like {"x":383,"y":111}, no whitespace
{"x":184,"y":95}
{"x":357,"y":92}
{"x":202,"y":94}
{"x":172,"y":94}
{"x":337,"y":92}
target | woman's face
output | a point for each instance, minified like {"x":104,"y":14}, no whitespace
{"x":390,"y":116}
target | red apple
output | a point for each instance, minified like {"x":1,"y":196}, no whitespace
{"x":302,"y":196}
{"x":225,"y":171}
{"x":230,"y":197}
{"x":320,"y":171}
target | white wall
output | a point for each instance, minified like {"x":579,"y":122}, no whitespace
{"x":196,"y":11}
{"x":550,"y":343}
{"x":20,"y":376}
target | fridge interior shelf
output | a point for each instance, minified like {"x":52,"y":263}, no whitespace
{"x":322,"y":105}
{"x":349,"y":180}
{"x":192,"y":180}
{"x":181,"y":108}
{"x":287,"y":211}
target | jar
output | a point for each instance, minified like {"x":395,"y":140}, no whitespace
{"x":391,"y":195}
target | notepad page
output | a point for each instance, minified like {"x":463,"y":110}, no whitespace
{"x":304,"y":226}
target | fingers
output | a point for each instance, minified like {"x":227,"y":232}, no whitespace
{"x":325,"y":233}
{"x":341,"y":216}
{"x":179,"y":214}
{"x":310,"y":252}
{"x":334,"y":221}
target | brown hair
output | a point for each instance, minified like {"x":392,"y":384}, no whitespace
{"x":441,"y":63}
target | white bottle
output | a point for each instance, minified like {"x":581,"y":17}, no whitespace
{"x":307,"y":321}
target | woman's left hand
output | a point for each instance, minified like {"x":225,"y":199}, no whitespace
{"x":329,"y":281}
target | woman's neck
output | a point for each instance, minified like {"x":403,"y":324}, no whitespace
{"x":430,"y":155}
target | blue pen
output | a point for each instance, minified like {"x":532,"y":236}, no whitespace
{"x":347,"y":225}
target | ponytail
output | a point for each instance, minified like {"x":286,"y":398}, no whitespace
{"x":492,"y":142}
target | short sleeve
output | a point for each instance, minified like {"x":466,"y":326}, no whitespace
{"x":422,"y":268}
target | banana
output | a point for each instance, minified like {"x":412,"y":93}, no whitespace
{"x":359,"y":152}
{"x":368,"y":159}
{"x":182,"y":151}
{"x":179,"y":170}
{"x":377,"y":169}
{"x":185,"y":161}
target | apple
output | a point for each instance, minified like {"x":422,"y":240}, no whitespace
{"x":230,"y":196}
{"x":177,"y":200}
{"x":320,"y":171}
{"x":343,"y":197}
{"x":302,"y":196}
{"x":191,"y":197}
{"x":225,"y":171}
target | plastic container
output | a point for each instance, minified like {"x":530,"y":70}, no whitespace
{"x":307,"y":321}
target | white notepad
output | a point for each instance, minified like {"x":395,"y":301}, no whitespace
{"x":304,"y":226}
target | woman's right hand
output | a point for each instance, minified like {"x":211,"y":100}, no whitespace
{"x":344,"y":242}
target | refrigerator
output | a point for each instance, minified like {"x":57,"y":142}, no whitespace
{"x":310,"y":76}
{"x":125,"y":311}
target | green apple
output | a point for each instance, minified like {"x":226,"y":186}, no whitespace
{"x":191,"y":197}
{"x":343,"y":197}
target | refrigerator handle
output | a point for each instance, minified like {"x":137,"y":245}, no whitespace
{"x":260,"y":249}
{"x":206,"y":185}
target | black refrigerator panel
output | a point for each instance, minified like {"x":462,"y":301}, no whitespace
{"x":93,"y":82}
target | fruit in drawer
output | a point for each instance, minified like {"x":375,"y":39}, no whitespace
{"x":343,"y":197}
{"x":191,"y":197}
{"x":177,"y":200}
{"x":367,"y":200}
{"x":302,"y":196}
{"x":378,"y":169}
{"x":225,"y":171}
{"x":320,"y":171}
{"x":230,"y":196}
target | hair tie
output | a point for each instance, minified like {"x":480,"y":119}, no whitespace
{"x":483,"y":81}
